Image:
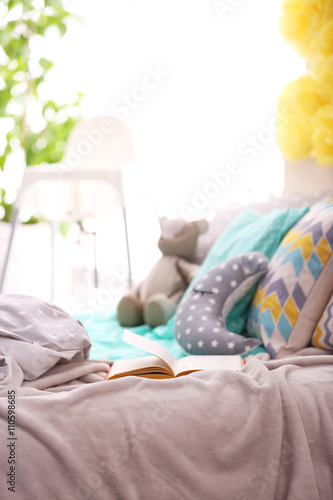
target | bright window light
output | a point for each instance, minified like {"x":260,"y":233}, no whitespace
{"x":196,"y":82}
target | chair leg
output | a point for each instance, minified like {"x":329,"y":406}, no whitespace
{"x":130,"y":282}
{"x":95,"y":260}
{"x":9,"y":247}
{"x":52,"y":225}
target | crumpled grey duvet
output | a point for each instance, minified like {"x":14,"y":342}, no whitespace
{"x":260,"y":434}
{"x":35,"y":336}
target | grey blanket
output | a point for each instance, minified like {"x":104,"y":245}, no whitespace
{"x":34,"y":336}
{"x":263,"y":433}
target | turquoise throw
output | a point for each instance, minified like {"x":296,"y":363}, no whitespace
{"x":106,"y":336}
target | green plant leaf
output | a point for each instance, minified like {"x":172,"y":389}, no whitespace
{"x":2,"y":161}
{"x":62,"y":28}
{"x":15,"y":39}
{"x":46,"y":64}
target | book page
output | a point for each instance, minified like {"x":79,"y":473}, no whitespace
{"x":138,"y":365}
{"x":194,"y":363}
{"x":150,"y":346}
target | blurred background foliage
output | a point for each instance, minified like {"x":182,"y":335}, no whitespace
{"x":37,"y":127}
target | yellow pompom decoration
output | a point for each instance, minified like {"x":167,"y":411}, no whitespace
{"x":295,"y":139}
{"x":306,"y":104}
{"x":323,"y":71}
{"x":296,"y":109}
{"x":301,"y":96}
{"x":323,"y":136}
{"x":322,"y":41}
{"x":301,"y":19}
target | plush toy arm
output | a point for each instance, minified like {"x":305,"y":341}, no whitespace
{"x":187,"y":269}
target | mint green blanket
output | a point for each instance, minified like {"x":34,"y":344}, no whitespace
{"x":106,"y":337}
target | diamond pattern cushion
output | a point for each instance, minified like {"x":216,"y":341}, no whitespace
{"x":323,"y":335}
{"x":291,"y":298}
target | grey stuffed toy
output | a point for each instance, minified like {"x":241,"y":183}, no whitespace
{"x":200,"y":318}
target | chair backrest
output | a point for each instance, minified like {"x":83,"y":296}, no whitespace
{"x":89,"y":179}
{"x":103,"y":141}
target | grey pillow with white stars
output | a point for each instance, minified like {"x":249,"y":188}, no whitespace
{"x":200,"y":319}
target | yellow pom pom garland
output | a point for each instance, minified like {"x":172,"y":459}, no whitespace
{"x":322,"y":41}
{"x":323,"y":136}
{"x":301,"y":20}
{"x":307,"y":102}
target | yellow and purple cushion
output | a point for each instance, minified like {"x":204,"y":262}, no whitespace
{"x":323,"y":334}
{"x":292,"y":297}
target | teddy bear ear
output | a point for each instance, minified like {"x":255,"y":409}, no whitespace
{"x":171,"y":227}
{"x":202,"y":225}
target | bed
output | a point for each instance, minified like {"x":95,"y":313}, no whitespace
{"x":262,"y":433}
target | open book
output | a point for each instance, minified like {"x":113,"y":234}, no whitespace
{"x":164,"y":364}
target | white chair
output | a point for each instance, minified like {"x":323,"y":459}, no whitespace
{"x":87,"y":183}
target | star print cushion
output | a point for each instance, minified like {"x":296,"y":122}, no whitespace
{"x":37,"y":335}
{"x":201,"y":318}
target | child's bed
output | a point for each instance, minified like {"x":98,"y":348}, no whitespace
{"x":263,"y":433}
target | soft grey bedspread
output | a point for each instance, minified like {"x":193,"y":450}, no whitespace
{"x":264,"y":433}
